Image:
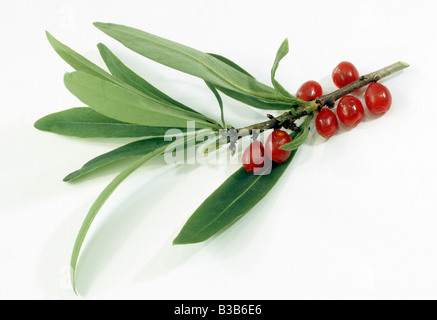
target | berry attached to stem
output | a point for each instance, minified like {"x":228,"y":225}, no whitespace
{"x":253,"y":157}
{"x":309,"y":90}
{"x":350,"y":111}
{"x":344,"y":73}
{"x":378,"y":98}
{"x":274,"y":141}
{"x":326,"y":123}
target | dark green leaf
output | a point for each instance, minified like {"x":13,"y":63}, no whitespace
{"x":137,"y":148}
{"x":124,"y":105}
{"x":231,"y":201}
{"x":87,"y":123}
{"x":188,"y":60}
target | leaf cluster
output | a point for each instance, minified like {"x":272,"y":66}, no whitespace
{"x":121,"y":104}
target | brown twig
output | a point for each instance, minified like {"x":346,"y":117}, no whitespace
{"x":327,"y":100}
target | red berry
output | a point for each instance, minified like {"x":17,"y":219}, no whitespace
{"x":309,"y":90}
{"x":344,"y":73}
{"x":378,"y":98}
{"x":253,"y":157}
{"x":350,"y":111}
{"x":326,"y":123}
{"x":274,"y":141}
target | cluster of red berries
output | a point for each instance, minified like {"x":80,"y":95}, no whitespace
{"x":350,"y":112}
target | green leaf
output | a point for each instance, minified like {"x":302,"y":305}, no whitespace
{"x":136,"y":148}
{"x":231,"y":201}
{"x":188,"y":60}
{"x":78,"y":62}
{"x":301,"y":137}
{"x":257,"y":102}
{"x":219,"y":100}
{"x":282,"y":52}
{"x":247,"y":99}
{"x":100,"y":201}
{"x":124,"y":105}
{"x":123,"y":73}
{"x":231,"y":63}
{"x":87,"y":123}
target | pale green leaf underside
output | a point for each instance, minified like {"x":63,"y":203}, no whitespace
{"x":120,"y":71}
{"x":282,"y":52}
{"x":188,"y":60}
{"x":80,"y":63}
{"x":231,"y":64}
{"x":219,"y":101}
{"x":124,"y":105}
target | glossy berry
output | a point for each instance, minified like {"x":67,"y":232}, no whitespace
{"x":344,"y":73}
{"x":309,"y":90}
{"x":274,"y":141}
{"x":253,"y":157}
{"x":326,"y":123}
{"x":350,"y":111}
{"x":378,"y":98}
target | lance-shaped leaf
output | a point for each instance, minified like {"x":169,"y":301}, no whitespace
{"x":259,"y":103}
{"x":103,"y":197}
{"x":231,"y":201}
{"x":77,"y":61}
{"x":219,"y":100}
{"x":188,"y":60}
{"x":282,"y":52}
{"x":119,"y":70}
{"x":124,"y":105}
{"x":98,"y":204}
{"x":231,"y":64}
{"x":136,"y":148}
{"x":87,"y":123}
{"x":80,"y":63}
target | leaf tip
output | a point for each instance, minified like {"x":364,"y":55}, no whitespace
{"x":100,"y":25}
{"x":39,"y":124}
{"x":52,"y":40}
{"x":67,"y":178}
{"x":182,"y":239}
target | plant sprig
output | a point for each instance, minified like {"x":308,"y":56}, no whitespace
{"x":120,"y":103}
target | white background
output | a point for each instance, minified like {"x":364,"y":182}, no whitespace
{"x":354,"y":217}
